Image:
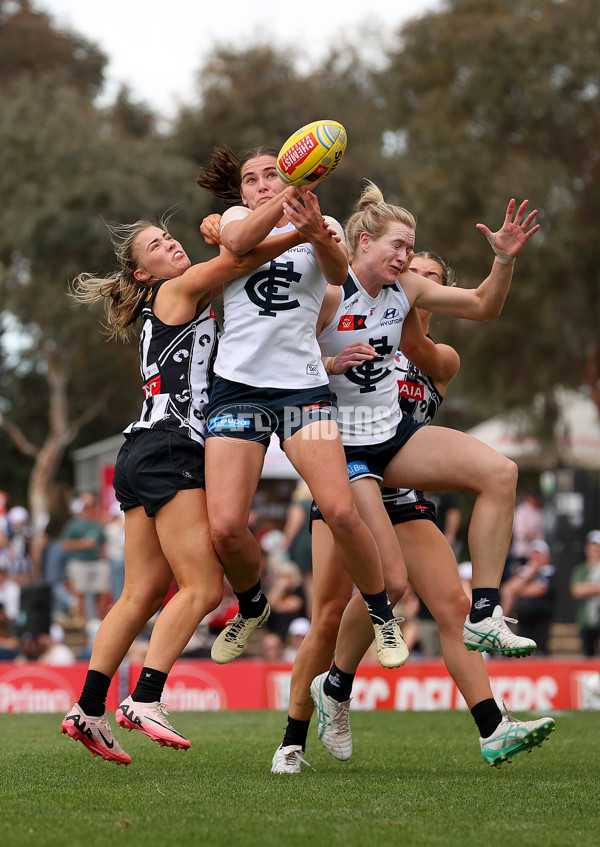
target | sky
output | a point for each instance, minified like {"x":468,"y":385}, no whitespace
{"x":155,"y":47}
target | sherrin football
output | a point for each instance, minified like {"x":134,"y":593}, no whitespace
{"x":312,"y":153}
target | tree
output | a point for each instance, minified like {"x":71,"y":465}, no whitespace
{"x":31,"y":46}
{"x":256,"y":96}
{"x":65,"y":167}
{"x":488,"y":101}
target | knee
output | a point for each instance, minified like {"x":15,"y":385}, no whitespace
{"x":451,"y":613}
{"x":227,"y":535}
{"x":203,"y":595}
{"x":505,"y":478}
{"x":341,"y":517}
{"x":396,"y":587}
{"x":326,"y":623}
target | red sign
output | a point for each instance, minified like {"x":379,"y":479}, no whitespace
{"x":42,"y":688}
{"x":199,"y":685}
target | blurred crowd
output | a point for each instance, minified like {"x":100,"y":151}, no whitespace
{"x":54,"y":594}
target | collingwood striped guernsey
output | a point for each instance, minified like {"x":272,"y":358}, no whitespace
{"x":176,"y":363}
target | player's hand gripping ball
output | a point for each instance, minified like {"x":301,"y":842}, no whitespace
{"x":312,"y":153}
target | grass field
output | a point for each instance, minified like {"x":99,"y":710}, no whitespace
{"x":415,"y":779}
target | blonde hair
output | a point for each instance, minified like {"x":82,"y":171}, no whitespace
{"x":373,"y":215}
{"x":122,"y":293}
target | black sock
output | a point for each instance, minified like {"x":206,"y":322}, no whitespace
{"x":487,"y":716}
{"x":149,"y":686}
{"x":94,"y":693}
{"x":338,"y":684}
{"x":483,"y":603}
{"x":379,"y":606}
{"x":295,"y":732}
{"x":252,"y":602}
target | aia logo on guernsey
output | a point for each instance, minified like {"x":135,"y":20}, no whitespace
{"x":151,"y":387}
{"x":349,"y":322}
{"x":411,"y":390}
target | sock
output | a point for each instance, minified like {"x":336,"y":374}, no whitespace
{"x":487,"y":716}
{"x":252,"y":602}
{"x":379,"y":606}
{"x":338,"y":684}
{"x":295,"y":732}
{"x":149,"y":686}
{"x":94,"y":693}
{"x":483,"y":603}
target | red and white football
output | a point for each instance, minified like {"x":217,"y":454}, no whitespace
{"x":312,"y":153}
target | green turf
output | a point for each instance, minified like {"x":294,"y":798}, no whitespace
{"x":415,"y":779}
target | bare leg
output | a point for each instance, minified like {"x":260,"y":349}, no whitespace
{"x":233,"y":468}
{"x":332,"y":588}
{"x":317,"y":454}
{"x":440,"y":459}
{"x":433,"y":573}
{"x":147,"y":580}
{"x":356,"y":630}
{"x":182,"y":527}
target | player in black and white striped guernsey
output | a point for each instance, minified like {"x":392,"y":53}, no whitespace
{"x":159,"y":473}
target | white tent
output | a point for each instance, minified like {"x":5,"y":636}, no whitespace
{"x":576,"y":435}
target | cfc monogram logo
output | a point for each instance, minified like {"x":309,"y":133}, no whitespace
{"x":370,"y":373}
{"x":263,"y":288}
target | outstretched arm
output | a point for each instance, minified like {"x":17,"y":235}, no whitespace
{"x":487,"y":300}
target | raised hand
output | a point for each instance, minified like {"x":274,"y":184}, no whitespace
{"x":211,"y":230}
{"x":510,"y":239}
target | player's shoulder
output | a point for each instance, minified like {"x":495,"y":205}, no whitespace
{"x":234,"y":213}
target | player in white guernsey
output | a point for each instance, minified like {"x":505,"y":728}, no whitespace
{"x":159,"y":473}
{"x":269,"y":378}
{"x":377,"y":297}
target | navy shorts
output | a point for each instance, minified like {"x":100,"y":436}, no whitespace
{"x":153,"y":465}
{"x":243,"y":411}
{"x":371,"y":460}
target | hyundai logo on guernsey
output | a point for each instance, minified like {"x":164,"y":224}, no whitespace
{"x":391,"y":316}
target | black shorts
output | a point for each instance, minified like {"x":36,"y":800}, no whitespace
{"x":153,"y":465}
{"x":418,"y":510}
{"x":371,"y":460}
{"x":236,"y":410}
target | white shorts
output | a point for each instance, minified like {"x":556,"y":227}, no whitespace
{"x":89,"y":577}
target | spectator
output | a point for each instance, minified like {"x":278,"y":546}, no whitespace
{"x":528,"y":526}
{"x":55,"y":651}
{"x":585,"y":588}
{"x":528,"y":595}
{"x":271,"y":647}
{"x":18,"y":550}
{"x":297,"y":632}
{"x":9,"y":642}
{"x":10,"y":593}
{"x":83,"y":538}
{"x":54,"y":564}
{"x":115,"y":549}
{"x":448,"y":517}
{"x":283,"y":584}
